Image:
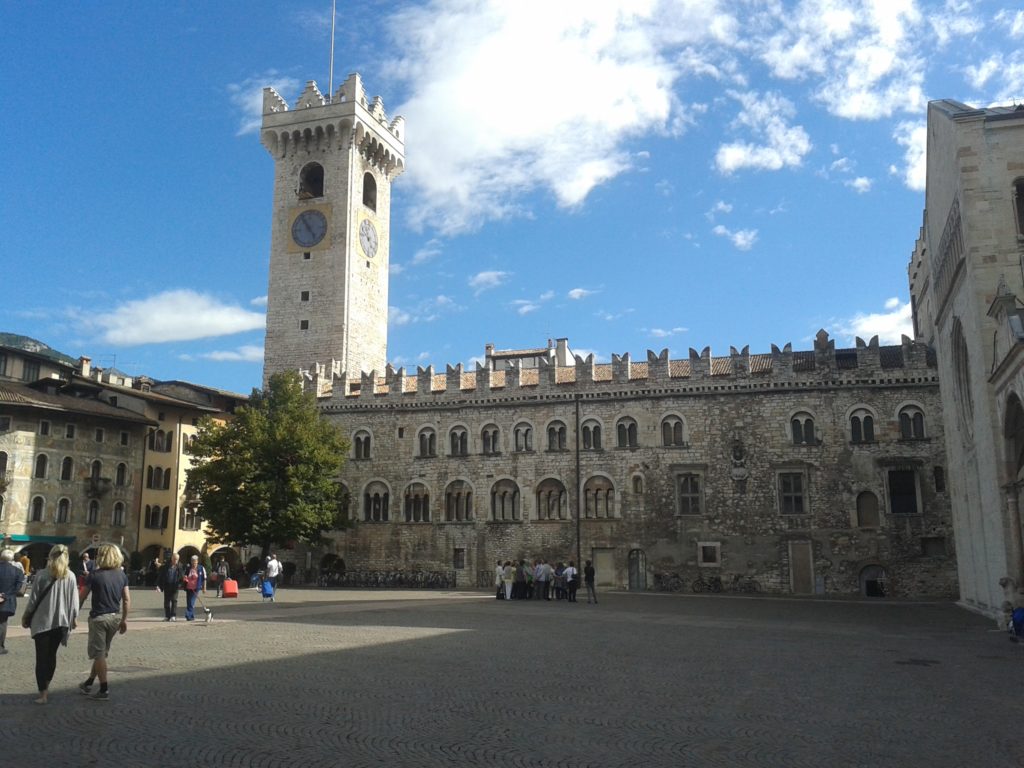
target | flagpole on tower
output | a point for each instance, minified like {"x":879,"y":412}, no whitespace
{"x":330,"y":77}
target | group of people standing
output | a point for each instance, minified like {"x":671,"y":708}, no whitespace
{"x":53,"y":607}
{"x":172,"y":577}
{"x":540,"y":580}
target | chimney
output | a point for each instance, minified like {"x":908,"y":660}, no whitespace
{"x":84,"y":366}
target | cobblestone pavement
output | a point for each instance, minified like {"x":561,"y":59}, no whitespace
{"x":332,"y":678}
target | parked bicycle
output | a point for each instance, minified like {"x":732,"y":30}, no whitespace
{"x":668,"y":582}
{"x":712,"y":584}
{"x":748,"y":584}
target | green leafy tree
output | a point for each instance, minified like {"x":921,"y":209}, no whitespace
{"x":271,"y":473}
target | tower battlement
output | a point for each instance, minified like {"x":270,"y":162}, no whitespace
{"x":347,"y":118}
{"x":701,"y":372}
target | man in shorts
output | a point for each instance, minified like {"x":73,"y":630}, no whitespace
{"x":108,"y":616}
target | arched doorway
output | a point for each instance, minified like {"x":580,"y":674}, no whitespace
{"x":637,"y":570}
{"x":874,"y":581}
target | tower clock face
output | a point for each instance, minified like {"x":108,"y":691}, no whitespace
{"x":309,"y":228}
{"x":368,"y":238}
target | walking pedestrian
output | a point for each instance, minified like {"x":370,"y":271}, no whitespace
{"x":169,"y":581}
{"x":111,"y":600}
{"x":507,"y":575}
{"x":272,"y":571}
{"x":12,"y":586}
{"x":222,"y":574}
{"x":499,"y":579}
{"x":51,"y":614}
{"x":571,"y":581}
{"x":588,"y":579}
{"x":195,"y":582}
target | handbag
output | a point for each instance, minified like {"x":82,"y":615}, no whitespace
{"x":26,"y":618}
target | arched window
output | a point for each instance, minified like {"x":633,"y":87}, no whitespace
{"x":673,"y":431}
{"x":458,"y":440}
{"x":121,"y":476}
{"x":523,"y":437}
{"x":625,"y":432}
{"x":599,"y":497}
{"x":311,"y":181}
{"x":911,"y":423}
{"x":118,"y":518}
{"x":962,"y":371}
{"x":490,"y":440}
{"x":375,"y":503}
{"x":417,"y":504}
{"x":505,"y":500}
{"x":862,"y":426}
{"x":428,"y":442}
{"x":591,"y":435}
{"x":867,"y":510}
{"x":556,"y":436}
{"x":638,"y":484}
{"x":552,"y":500}
{"x":67,"y":468}
{"x":369,"y":191}
{"x":802,"y":426}
{"x":169,"y":441}
{"x":362,"y":444}
{"x":64,"y":511}
{"x":93,"y":517}
{"x":167,"y":479}
{"x":96,"y":469}
{"x":458,"y":502}
{"x":36,"y":515}
{"x":40,"y":467}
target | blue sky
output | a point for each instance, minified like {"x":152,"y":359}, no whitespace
{"x":632,"y":175}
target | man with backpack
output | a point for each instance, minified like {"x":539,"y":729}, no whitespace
{"x":195,"y":582}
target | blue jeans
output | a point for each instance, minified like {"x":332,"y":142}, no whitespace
{"x":190,"y":604}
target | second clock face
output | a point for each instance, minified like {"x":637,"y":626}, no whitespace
{"x":368,"y":238}
{"x":309,"y":228}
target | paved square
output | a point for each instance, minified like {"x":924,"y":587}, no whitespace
{"x":330,"y":678}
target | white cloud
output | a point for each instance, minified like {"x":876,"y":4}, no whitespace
{"x":1015,"y":22}
{"x":890,"y":326}
{"x":979,"y":74}
{"x":766,"y":118}
{"x":398,"y":317}
{"x":866,"y":59}
{"x":842,"y":165}
{"x":913,"y":137}
{"x":720,"y":206}
{"x":247,"y":97}
{"x":244,"y":354}
{"x":662,"y":333}
{"x":605,"y":73}
{"x":664,"y":187}
{"x":259,"y":301}
{"x":180,"y":315}
{"x":483,"y":281}
{"x":580,"y":293}
{"x":429,"y":251}
{"x":860,"y":185}
{"x":743,"y":239}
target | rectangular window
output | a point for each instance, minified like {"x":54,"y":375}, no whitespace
{"x":3,"y":364}
{"x":1018,"y":201}
{"x":709,"y":553}
{"x":125,"y":438}
{"x":30,"y":371}
{"x":99,"y":435}
{"x":791,"y":493}
{"x":902,"y":492}
{"x":459,"y":559}
{"x":688,"y":491}
{"x":306,"y":255}
{"x":44,"y":427}
{"x":5,"y":423}
{"x":304,"y":296}
{"x":69,"y":431}
{"x":113,"y":401}
{"x":303,"y":325}
{"x":940,"y":480}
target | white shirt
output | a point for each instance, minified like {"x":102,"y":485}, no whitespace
{"x":273,"y":568}
{"x":569,"y":573}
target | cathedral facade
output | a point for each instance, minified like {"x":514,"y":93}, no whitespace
{"x":809,"y":472}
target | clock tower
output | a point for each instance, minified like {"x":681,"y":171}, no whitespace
{"x":334,"y":161}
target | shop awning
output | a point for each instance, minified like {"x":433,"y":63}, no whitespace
{"x":22,"y":538}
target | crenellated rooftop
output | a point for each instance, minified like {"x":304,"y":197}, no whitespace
{"x":347,"y":118}
{"x":867,"y":361}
